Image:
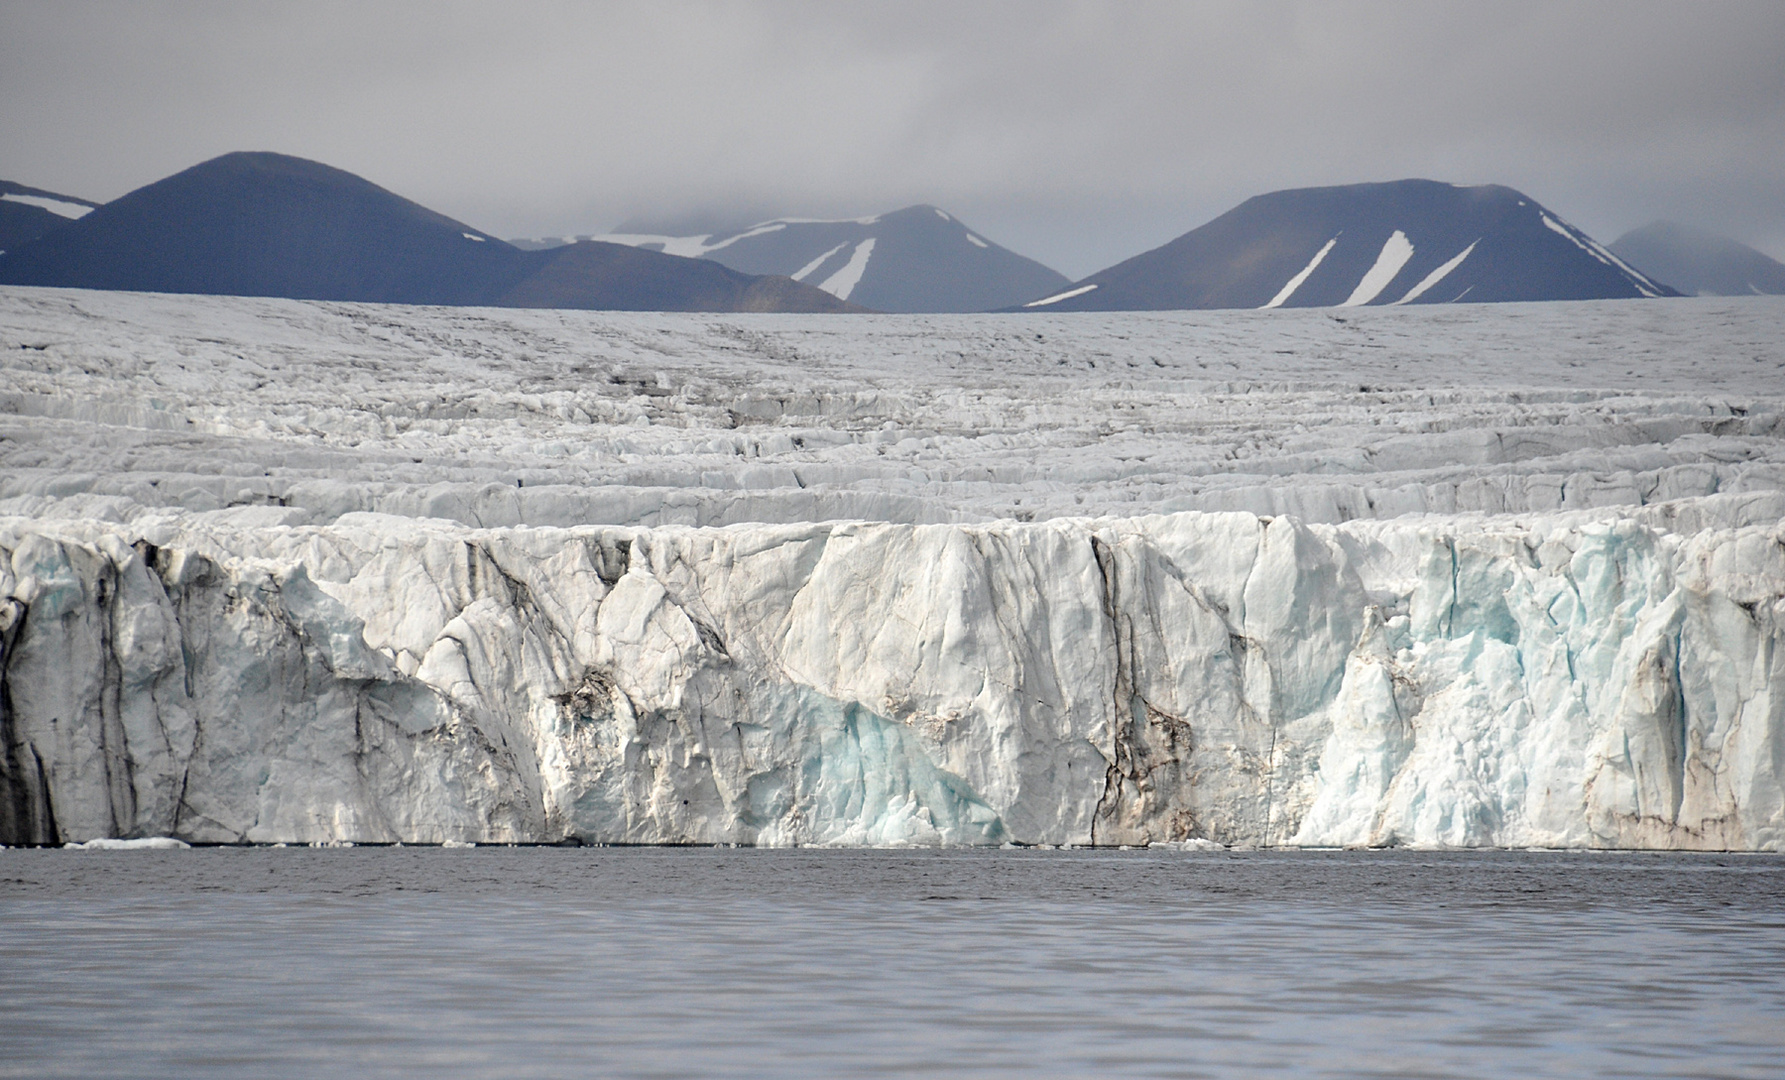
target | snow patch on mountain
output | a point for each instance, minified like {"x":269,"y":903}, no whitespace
{"x":1057,"y":297}
{"x":59,"y":207}
{"x":1593,"y":248}
{"x":807,"y":270}
{"x":844,"y":281}
{"x":1294,"y":283}
{"x":1396,"y":251}
{"x":1433,"y":278}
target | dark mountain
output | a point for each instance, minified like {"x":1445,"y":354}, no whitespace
{"x":615,"y":277}
{"x":260,"y":224}
{"x":1412,"y":241}
{"x":1700,"y":263}
{"x":26,"y":213}
{"x":916,"y":259}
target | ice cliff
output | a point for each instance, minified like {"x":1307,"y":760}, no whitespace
{"x":284,"y":571}
{"x":1578,"y":680}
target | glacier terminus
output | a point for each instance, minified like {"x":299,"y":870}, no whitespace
{"x":286,"y":572}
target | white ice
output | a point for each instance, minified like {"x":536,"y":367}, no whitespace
{"x":473,"y":236}
{"x":976,"y":241}
{"x":1452,"y":576}
{"x":1394,"y":255}
{"x":147,"y":843}
{"x":1301,"y":275}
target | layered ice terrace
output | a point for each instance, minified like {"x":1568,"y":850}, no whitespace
{"x":286,"y":571}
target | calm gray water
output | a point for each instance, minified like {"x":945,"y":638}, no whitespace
{"x":602,"y":962}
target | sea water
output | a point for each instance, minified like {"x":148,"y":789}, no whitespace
{"x":658,"y":962}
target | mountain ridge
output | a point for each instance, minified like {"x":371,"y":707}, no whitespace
{"x":917,"y":259}
{"x":1404,"y":241}
{"x":255,"y":223}
{"x":27,"y":213}
{"x":1700,"y":262}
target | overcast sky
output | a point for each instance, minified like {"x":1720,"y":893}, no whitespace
{"x":1077,"y":133}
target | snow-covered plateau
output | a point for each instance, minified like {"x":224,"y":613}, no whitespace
{"x":282,"y":571}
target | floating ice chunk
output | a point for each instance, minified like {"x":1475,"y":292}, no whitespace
{"x":1394,"y":255}
{"x":1437,"y":275}
{"x":1195,"y":843}
{"x":147,"y":843}
{"x":1057,"y":297}
{"x":456,"y":844}
{"x":844,"y":281}
{"x":1301,"y":275}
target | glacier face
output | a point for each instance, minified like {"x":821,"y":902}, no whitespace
{"x":1579,"y":680}
{"x":289,"y":572}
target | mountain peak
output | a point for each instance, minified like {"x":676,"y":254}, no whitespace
{"x":27,"y":213}
{"x":1700,"y":262}
{"x":256,"y":223}
{"x":1396,"y":242}
{"x":919,"y":258}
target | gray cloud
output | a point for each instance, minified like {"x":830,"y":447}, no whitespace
{"x":1075,"y":132}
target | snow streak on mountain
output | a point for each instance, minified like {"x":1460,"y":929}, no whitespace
{"x":1407,"y":242}
{"x":919,"y":259}
{"x":26,"y":213}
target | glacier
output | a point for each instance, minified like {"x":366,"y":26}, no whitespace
{"x":285,"y":572}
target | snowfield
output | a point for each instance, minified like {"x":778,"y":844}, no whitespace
{"x":1478,"y":575}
